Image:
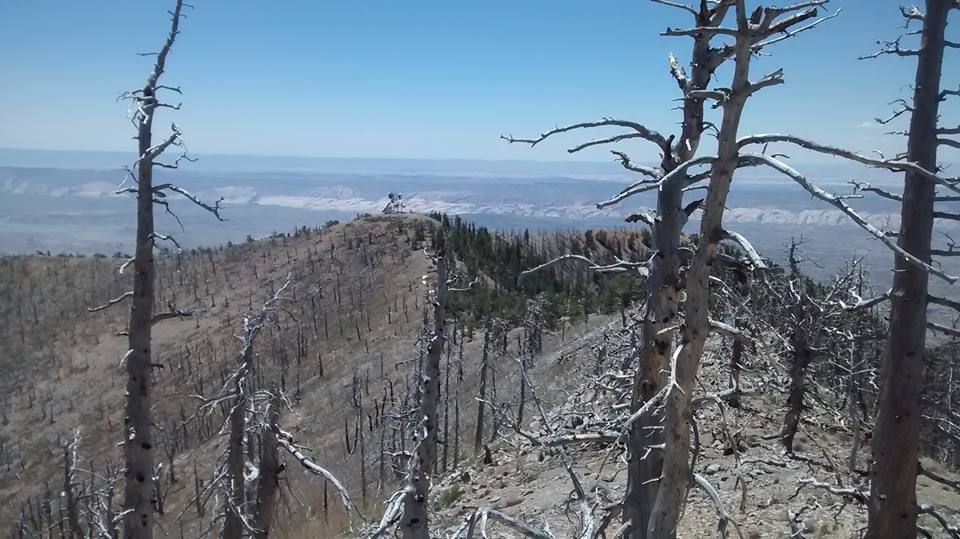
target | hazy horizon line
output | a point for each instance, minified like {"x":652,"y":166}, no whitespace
{"x":612,"y":163}
{"x":322,"y":157}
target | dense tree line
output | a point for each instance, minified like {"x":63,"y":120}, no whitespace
{"x":568,"y":292}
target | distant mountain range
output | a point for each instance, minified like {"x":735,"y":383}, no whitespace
{"x":64,"y":201}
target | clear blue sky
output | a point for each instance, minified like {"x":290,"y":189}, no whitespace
{"x":427,"y":79}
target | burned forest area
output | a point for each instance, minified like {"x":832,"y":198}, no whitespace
{"x":419,"y":375}
{"x":320,"y":360}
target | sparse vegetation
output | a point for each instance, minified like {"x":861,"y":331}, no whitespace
{"x":460,"y":381}
{"x":449,"y":496}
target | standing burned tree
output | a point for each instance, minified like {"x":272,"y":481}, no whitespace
{"x":750,"y":35}
{"x":248,"y":499}
{"x":893,"y":507}
{"x":85,"y":505}
{"x":240,"y":393}
{"x":649,"y":477}
{"x":408,"y":508}
{"x":415,"y":522}
{"x":809,"y":317}
{"x":138,"y":439}
{"x":896,"y":440}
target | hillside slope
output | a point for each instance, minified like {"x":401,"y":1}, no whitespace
{"x":341,"y":349}
{"x":344,"y":347}
{"x":357,"y":292}
{"x":763,"y":492}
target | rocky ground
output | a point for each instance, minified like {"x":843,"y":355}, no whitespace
{"x":764,"y":492}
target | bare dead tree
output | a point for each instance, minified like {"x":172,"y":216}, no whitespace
{"x":531,"y":343}
{"x":749,"y":37}
{"x":84,"y":507}
{"x":749,"y":34}
{"x":69,"y":485}
{"x":587,"y":502}
{"x":482,"y":392}
{"x":675,"y":176}
{"x":416,"y":502}
{"x":893,"y":505}
{"x":446,"y":400}
{"x":138,"y":436}
{"x":456,"y":403}
{"x":807,"y":319}
{"x":268,"y":475}
{"x":731,"y":156}
{"x":861,"y":497}
{"x":240,"y":393}
{"x":407,"y":509}
{"x":893,"y":508}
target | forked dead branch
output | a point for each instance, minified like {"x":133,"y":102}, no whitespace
{"x":658,"y":467}
{"x":139,"y":490}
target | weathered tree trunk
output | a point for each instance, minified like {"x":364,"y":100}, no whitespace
{"x":70,"y":498}
{"x":138,"y":446}
{"x":236,"y":510}
{"x":456,"y":404}
{"x":446,"y":405}
{"x":361,"y":442}
{"x":853,"y":397}
{"x":893,"y":476}
{"x":804,"y":331}
{"x":138,"y":442}
{"x":232,"y":525}
{"x":663,"y":291}
{"x":269,"y":480}
{"x":482,"y":395}
{"x":138,"y":422}
{"x":198,"y":490}
{"x":109,"y":522}
{"x":676,"y":474}
{"x":800,"y":359}
{"x":381,"y":462}
{"x":416,"y":503}
{"x":523,"y":388}
{"x":663,"y":286}
{"x":736,"y":362}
